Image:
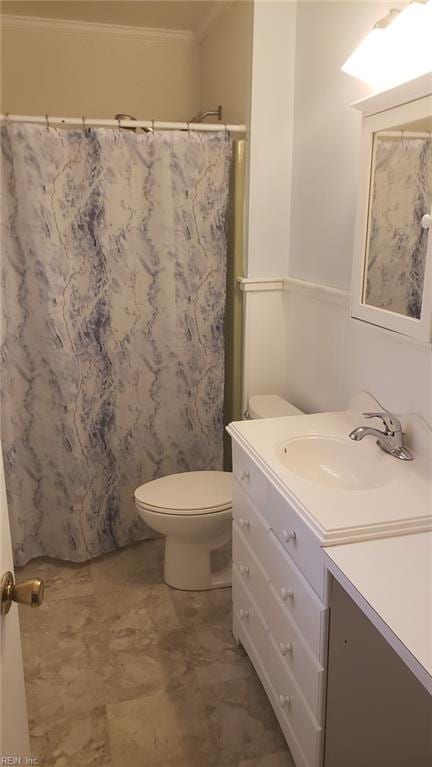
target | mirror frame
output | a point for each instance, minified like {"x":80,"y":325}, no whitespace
{"x":384,"y":119}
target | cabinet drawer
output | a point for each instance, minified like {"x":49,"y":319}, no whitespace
{"x":249,"y":475}
{"x":296,"y":538}
{"x":292,"y":646}
{"x":295,"y":654}
{"x":302,"y":733}
{"x":242,"y":635}
{"x":248,"y":567}
{"x":292,"y":531}
{"x":295,"y":597}
{"x":247,"y":614}
{"x":250,"y":522}
{"x":292,"y":708}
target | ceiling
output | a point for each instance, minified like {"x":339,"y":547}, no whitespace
{"x":189,"y":15}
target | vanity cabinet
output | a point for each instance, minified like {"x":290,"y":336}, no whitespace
{"x":280,"y":606}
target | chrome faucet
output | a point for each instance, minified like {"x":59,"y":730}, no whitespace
{"x":391,"y":440}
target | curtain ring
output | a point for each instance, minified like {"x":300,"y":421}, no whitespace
{"x":153,"y":128}
{"x":7,"y":118}
{"x":119,"y":122}
{"x":188,"y":128}
{"x":227,"y":133}
{"x":83,"y":122}
{"x":47,"y":121}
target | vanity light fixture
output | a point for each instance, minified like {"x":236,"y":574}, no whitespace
{"x":396,"y":50}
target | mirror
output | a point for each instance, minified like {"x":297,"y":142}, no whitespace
{"x":392,"y":270}
{"x":400,"y":196}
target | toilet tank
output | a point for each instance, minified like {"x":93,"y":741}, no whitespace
{"x":270,"y":406}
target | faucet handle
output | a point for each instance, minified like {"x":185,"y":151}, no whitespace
{"x":390,"y":421}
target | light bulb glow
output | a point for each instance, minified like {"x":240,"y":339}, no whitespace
{"x":397,"y":53}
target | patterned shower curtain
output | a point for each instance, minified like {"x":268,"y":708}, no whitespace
{"x":113,"y":297}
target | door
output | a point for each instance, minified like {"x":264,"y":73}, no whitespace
{"x":14,"y":734}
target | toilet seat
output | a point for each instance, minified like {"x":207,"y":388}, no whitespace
{"x":192,"y":493}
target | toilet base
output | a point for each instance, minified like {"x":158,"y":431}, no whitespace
{"x":187,"y":567}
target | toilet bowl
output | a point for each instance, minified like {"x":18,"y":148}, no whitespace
{"x":193,"y":510}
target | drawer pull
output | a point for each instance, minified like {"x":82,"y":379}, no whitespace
{"x":244,"y":475}
{"x":244,"y":614}
{"x":286,"y":594}
{"x":244,"y":569}
{"x":284,"y":700}
{"x":289,"y":535}
{"x":285,"y":648}
{"x":244,"y":523}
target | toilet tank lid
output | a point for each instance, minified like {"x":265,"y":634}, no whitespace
{"x":270,"y":406}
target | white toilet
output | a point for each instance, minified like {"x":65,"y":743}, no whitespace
{"x":194,"y":511}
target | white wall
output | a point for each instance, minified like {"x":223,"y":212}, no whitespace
{"x":317,"y":356}
{"x":271,"y":138}
{"x":69,"y":69}
{"x":331,"y":357}
{"x":225,"y":57}
{"x":326,"y":139}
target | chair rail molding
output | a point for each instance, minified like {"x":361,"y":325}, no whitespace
{"x":317,"y":291}
{"x":259,"y":284}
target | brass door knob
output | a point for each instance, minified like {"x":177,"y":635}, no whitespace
{"x":29,"y":592}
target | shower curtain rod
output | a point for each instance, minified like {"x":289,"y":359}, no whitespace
{"x":92,"y":122}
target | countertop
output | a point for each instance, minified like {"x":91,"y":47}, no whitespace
{"x":390,"y":579}
{"x":401,"y":505}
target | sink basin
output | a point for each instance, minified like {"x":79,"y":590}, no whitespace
{"x":335,"y":462}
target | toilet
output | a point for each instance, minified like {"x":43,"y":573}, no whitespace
{"x":193,"y":510}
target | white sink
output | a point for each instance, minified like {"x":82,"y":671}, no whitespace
{"x":335,"y":462}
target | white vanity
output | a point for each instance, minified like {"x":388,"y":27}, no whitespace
{"x":301,"y":485}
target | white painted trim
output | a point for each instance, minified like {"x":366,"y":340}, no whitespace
{"x":317,"y":291}
{"x":248,"y":285}
{"x":394,"y":97}
{"x":68,"y":26}
{"x":215,"y":14}
{"x":339,"y":297}
{"x":300,"y":287}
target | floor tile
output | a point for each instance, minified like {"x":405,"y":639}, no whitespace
{"x":60,"y":679}
{"x":216,"y":657}
{"x":113,"y":640}
{"x":195,"y":608}
{"x":78,"y":739}
{"x":56,"y":618}
{"x":129,"y":666}
{"x":162,"y":731}
{"x":243,"y":721}
{"x":150,"y":608}
{"x":132,"y":568}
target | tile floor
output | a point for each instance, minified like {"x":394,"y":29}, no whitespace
{"x":121,"y":670}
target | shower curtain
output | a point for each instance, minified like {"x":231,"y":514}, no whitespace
{"x":113,"y":296}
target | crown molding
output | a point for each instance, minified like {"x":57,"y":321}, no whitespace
{"x":215,"y":14}
{"x":38,"y":24}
